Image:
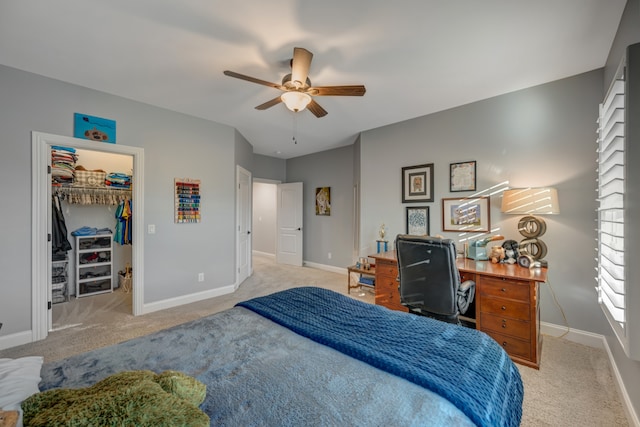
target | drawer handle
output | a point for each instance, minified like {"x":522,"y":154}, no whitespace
{"x":504,"y":308}
{"x":503,"y":290}
{"x":504,"y":323}
{"x":504,"y":343}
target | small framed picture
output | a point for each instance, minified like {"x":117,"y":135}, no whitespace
{"x":418,"y":220}
{"x":462,"y":176}
{"x":470,"y":214}
{"x":94,"y":128}
{"x":323,"y":201}
{"x":417,"y":183}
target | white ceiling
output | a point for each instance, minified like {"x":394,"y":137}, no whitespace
{"x":415,"y":57}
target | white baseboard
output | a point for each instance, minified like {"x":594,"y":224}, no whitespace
{"x":14,"y":340}
{"x":632,"y":416}
{"x":331,"y":268}
{"x":187,"y":299}
{"x":575,"y":335}
{"x":267,"y":254}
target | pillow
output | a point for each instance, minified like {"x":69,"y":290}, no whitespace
{"x":19,"y":379}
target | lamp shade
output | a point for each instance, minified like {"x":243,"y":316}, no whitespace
{"x":295,"y":101}
{"x":533,"y":201}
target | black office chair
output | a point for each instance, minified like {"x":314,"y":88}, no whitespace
{"x":429,"y":278}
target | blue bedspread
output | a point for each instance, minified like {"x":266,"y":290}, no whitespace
{"x":465,"y":366}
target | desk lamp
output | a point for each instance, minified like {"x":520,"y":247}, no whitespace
{"x":531,"y":202}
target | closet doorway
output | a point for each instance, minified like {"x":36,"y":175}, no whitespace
{"x":42,"y":224}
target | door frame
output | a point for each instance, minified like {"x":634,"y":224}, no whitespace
{"x":41,"y":223}
{"x":247,"y":213}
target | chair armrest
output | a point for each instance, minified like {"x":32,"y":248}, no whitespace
{"x":464,"y":286}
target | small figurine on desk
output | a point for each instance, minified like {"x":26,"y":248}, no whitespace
{"x":496,"y":255}
{"x":382,"y":231}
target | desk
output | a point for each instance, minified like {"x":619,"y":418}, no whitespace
{"x":506,"y":301}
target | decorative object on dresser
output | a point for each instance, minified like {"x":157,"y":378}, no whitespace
{"x":506,"y":303}
{"x":529,"y":202}
{"x":466,"y":214}
{"x":462,"y":176}
{"x":417,"y":183}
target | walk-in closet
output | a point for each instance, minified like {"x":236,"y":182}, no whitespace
{"x":91,"y":257}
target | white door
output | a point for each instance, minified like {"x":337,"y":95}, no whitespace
{"x":289,"y":213}
{"x":243,"y":201}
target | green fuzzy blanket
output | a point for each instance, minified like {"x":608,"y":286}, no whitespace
{"x":133,"y":398}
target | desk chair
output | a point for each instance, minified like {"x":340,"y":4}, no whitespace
{"x":429,"y":278}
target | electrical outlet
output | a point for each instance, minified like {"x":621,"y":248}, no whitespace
{"x":200,"y":277}
{"x":329,"y":255}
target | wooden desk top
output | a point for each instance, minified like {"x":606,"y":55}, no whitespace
{"x":512,"y":271}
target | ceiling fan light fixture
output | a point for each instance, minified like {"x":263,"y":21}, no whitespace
{"x":295,"y":101}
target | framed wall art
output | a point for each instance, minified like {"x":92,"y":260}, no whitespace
{"x":462,"y":176}
{"x":418,"y":220}
{"x":323,"y":201}
{"x":417,"y":183}
{"x":187,"y":200}
{"x":463,"y":214}
{"x":94,"y":128}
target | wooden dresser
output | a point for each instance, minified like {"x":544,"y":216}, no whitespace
{"x":506,"y":301}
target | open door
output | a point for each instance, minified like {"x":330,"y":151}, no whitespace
{"x":244,"y":245}
{"x":289,"y":213}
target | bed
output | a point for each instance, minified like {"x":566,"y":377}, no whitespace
{"x":310,"y":356}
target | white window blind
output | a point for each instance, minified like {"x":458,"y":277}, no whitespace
{"x":618,"y":232}
{"x":611,"y":164}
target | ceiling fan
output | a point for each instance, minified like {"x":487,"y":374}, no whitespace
{"x":297,"y":88}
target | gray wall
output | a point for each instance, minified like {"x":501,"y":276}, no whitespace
{"x":628,"y":33}
{"x":176,"y":253}
{"x":541,"y":136}
{"x":263,"y":232}
{"x":324,"y":234}
{"x":269,"y":168}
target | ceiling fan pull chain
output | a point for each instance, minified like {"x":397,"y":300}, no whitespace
{"x":295,"y":128}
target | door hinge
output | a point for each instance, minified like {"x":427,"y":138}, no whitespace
{"x":49,"y":169}
{"x":48,"y":305}
{"x":48,"y":237}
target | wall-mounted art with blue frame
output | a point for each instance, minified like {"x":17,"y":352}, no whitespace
{"x":94,"y":128}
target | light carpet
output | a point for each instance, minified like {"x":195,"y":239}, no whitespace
{"x":574,"y":386}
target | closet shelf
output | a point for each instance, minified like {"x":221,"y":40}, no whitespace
{"x":92,"y":195}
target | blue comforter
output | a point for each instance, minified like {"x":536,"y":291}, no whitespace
{"x":465,"y":366}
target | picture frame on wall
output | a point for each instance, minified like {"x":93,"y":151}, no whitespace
{"x":323,"y":201}
{"x":417,"y":183}
{"x":466,"y":214}
{"x":418,"y":220}
{"x":462,"y":176}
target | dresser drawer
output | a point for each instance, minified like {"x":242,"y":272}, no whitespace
{"x":387,"y":269}
{"x":504,"y":288}
{"x":387,"y":293}
{"x":513,"y":346}
{"x":504,"y":308}
{"x":502,"y":325}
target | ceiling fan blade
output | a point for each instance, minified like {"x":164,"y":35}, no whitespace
{"x":316,"y":109}
{"x":269,"y":104}
{"x":355,"y":90}
{"x":252,"y":79}
{"x":300,"y":66}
